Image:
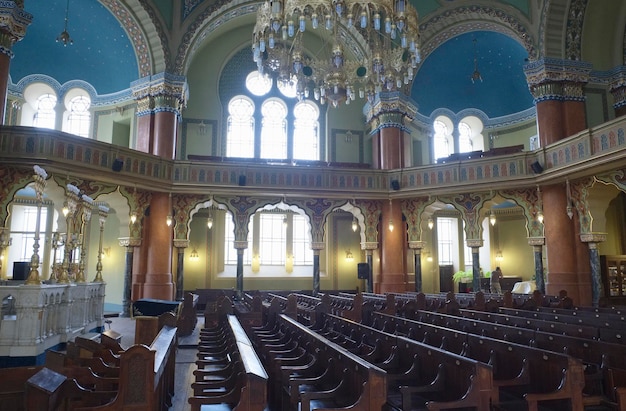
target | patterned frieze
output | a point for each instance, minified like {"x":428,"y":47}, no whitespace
{"x":183,"y":204}
{"x":555,"y":79}
{"x":161,"y":92}
{"x":129,"y":241}
{"x":593,"y":238}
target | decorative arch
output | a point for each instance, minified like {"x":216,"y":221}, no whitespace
{"x":452,"y":22}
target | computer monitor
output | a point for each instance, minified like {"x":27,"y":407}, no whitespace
{"x":21,"y":270}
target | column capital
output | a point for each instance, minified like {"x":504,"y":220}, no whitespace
{"x":160,"y":92}
{"x":240,"y":245}
{"x":317,"y":246}
{"x":178,"y":243}
{"x":617,"y":86}
{"x":369,"y":245}
{"x":474,"y":243}
{"x":129,"y":241}
{"x":536,"y":241}
{"x":417,"y":245}
{"x":390,"y":109}
{"x":13,"y":23}
{"x":557,"y":79}
{"x":593,"y":238}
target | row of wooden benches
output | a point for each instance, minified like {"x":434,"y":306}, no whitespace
{"x":96,"y":375}
{"x":604,"y":361}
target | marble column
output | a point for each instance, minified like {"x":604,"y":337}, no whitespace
{"x":557,"y":87}
{"x":592,"y":240}
{"x":475,"y":246}
{"x":130,"y":244}
{"x":180,"y":267}
{"x":388,"y":116}
{"x":417,"y":247}
{"x":537,"y":244}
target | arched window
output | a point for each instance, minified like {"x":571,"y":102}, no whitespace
{"x":240,"y":135}
{"x":465,"y":138}
{"x":302,"y":252}
{"x":45,"y":116}
{"x":79,"y":117}
{"x":269,"y":121}
{"x":441,"y":139}
{"x":274,"y":129}
{"x":306,"y":136}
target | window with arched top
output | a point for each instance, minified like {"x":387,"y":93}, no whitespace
{"x":306,"y":131}
{"x":274,"y":129}
{"x":465,"y":138}
{"x":240,"y":134}
{"x":79,"y":117}
{"x":269,"y":121}
{"x":45,"y":116}
{"x":441,"y":139}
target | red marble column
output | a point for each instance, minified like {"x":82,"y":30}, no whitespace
{"x":5,"y":61}
{"x":393,"y":249}
{"x":165,"y":134}
{"x":145,"y":127}
{"x":567,"y":257}
{"x":158,"y":278}
{"x":391,"y":148}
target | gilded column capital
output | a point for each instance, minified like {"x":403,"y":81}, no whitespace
{"x":13,"y":23}
{"x":163,"y":91}
{"x":390,"y":109}
{"x":557,"y":79}
{"x":317,"y":246}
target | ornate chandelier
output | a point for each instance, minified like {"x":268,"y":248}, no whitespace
{"x":386,"y":31}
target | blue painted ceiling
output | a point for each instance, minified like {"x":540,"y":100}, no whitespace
{"x":101,"y":55}
{"x":444,"y":80}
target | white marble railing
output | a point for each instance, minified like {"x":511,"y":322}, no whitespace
{"x":37,"y":317}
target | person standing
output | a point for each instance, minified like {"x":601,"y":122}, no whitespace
{"x":496,"y":277}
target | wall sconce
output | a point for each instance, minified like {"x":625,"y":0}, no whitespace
{"x":106,"y":252}
{"x":202,"y":128}
{"x":431,"y":223}
{"x":492,"y":218}
{"x":194,"y":255}
{"x":568,"y":209}
{"x":390,"y":219}
{"x":355,"y":224}
{"x":499,"y":257}
{"x":209,"y":221}
{"x":285,"y":222}
{"x":540,"y":216}
{"x":429,"y":257}
{"x":133,"y":218}
{"x":539,"y":206}
{"x":168,"y":219}
{"x":349,"y":256}
{"x":66,"y":209}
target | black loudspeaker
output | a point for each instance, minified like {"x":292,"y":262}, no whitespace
{"x":395,"y":184}
{"x":242,"y":180}
{"x":536,"y":167}
{"x":363,"y":271}
{"x":117,"y":165}
{"x":21,"y":269}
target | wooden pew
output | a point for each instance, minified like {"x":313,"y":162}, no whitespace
{"x":425,"y":375}
{"x":247,"y":391}
{"x":13,"y":386}
{"x":363,"y":388}
{"x":187,"y":315}
{"x":146,"y":378}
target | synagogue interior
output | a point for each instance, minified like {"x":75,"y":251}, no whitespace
{"x":150,"y":148}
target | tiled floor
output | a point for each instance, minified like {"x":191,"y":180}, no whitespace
{"x":185,"y":357}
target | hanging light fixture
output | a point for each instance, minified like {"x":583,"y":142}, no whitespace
{"x":492,"y":218}
{"x":194,"y":255}
{"x":540,"y":216}
{"x":431,"y":223}
{"x":499,"y":257}
{"x":133,"y":218}
{"x":387,"y":29}
{"x":64,"y":37}
{"x":355,"y":224}
{"x":209,"y":221}
{"x":285,"y":222}
{"x":476,"y":74}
